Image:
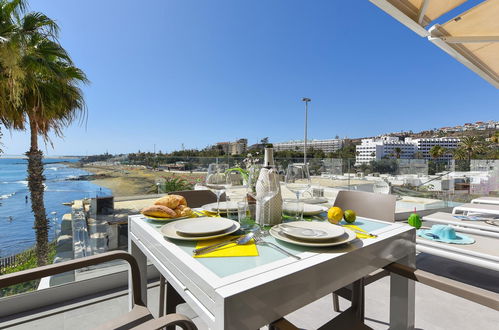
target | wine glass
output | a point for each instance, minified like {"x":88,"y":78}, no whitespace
{"x":267,"y":187}
{"x":217,"y":181}
{"x":253,"y":174}
{"x":298,"y":180}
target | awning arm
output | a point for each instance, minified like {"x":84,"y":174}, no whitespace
{"x":470,"y":39}
{"x":401,"y":17}
{"x":422,"y":11}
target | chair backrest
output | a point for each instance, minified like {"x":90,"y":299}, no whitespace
{"x":367,"y":204}
{"x":198,"y":198}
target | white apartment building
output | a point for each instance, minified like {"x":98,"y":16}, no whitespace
{"x":424,"y":145}
{"x":385,"y":146}
{"x":330,"y":145}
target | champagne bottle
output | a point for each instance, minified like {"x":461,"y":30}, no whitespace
{"x":270,"y":213}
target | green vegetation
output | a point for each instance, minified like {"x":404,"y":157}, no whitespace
{"x":175,"y":183}
{"x":26,"y":260}
{"x":39,"y":92}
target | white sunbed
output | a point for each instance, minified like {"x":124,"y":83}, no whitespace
{"x":486,"y":200}
{"x":476,"y":208}
{"x":487,"y":224}
{"x":483,"y":253}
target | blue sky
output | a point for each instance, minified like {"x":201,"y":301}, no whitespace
{"x":173,"y":72}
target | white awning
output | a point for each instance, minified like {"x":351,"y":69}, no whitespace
{"x":472,"y":37}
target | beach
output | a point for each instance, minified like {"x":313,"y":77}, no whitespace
{"x":129,"y":180}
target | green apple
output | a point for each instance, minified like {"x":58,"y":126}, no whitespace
{"x":415,"y":220}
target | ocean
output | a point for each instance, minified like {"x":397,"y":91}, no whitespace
{"x":16,"y":218}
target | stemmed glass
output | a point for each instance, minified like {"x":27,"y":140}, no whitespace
{"x":298,"y":180}
{"x":267,"y":187}
{"x":218,"y":181}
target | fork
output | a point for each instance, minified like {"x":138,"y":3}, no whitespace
{"x":260,"y":241}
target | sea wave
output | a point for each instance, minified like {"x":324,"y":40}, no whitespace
{"x":7,"y":196}
{"x":11,"y":182}
{"x":53,"y":168}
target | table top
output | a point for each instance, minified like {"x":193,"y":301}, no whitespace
{"x":224,"y":270}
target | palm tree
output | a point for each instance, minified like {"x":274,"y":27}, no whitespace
{"x":437,"y":151}
{"x":459,"y":154}
{"x":48,"y":99}
{"x":472,"y":146}
{"x":398,"y":152}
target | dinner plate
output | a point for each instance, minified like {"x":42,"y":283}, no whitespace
{"x":224,"y":206}
{"x":170,"y":231}
{"x":315,"y":200}
{"x":348,"y":236}
{"x":289,"y":207}
{"x":311,"y":231}
{"x":203,"y":226}
{"x":164,"y":219}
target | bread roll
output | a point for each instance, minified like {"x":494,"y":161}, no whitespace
{"x":171,"y":201}
{"x":159,"y":211}
{"x":183,"y":211}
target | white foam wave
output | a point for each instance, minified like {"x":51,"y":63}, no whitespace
{"x":53,"y":168}
{"x":22,"y":182}
{"x":7,"y":196}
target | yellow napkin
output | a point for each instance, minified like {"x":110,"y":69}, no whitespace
{"x":232,"y":250}
{"x":207,"y":213}
{"x":359,"y":235}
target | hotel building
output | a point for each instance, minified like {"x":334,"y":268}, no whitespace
{"x":330,"y":145}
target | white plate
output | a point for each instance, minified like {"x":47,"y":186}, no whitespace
{"x":289,"y":207}
{"x":224,"y":206}
{"x":203,"y":226}
{"x":348,"y":236}
{"x":331,"y":231}
{"x":315,"y":200}
{"x":170,"y":231}
{"x":164,"y":219}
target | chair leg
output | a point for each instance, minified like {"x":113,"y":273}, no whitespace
{"x":162,"y":284}
{"x":336,"y":303}
{"x":358,"y":298}
{"x":173,"y":299}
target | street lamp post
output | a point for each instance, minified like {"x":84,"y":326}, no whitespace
{"x":306,"y":100}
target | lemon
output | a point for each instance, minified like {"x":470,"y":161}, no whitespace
{"x":335,"y":214}
{"x":349,"y":216}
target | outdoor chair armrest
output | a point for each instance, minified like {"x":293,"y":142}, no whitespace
{"x":62,"y":267}
{"x":466,"y":291}
{"x":168,"y":320}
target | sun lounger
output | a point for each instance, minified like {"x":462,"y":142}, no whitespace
{"x":453,"y":219}
{"x":483,"y":253}
{"x":486,"y":200}
{"x":476,"y":208}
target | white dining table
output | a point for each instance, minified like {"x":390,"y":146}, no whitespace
{"x":251,"y":292}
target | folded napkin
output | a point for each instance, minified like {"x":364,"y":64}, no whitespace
{"x":231,"y":250}
{"x":204,"y":213}
{"x":359,"y":235}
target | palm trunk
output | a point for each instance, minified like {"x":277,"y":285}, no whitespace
{"x":36,"y":188}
